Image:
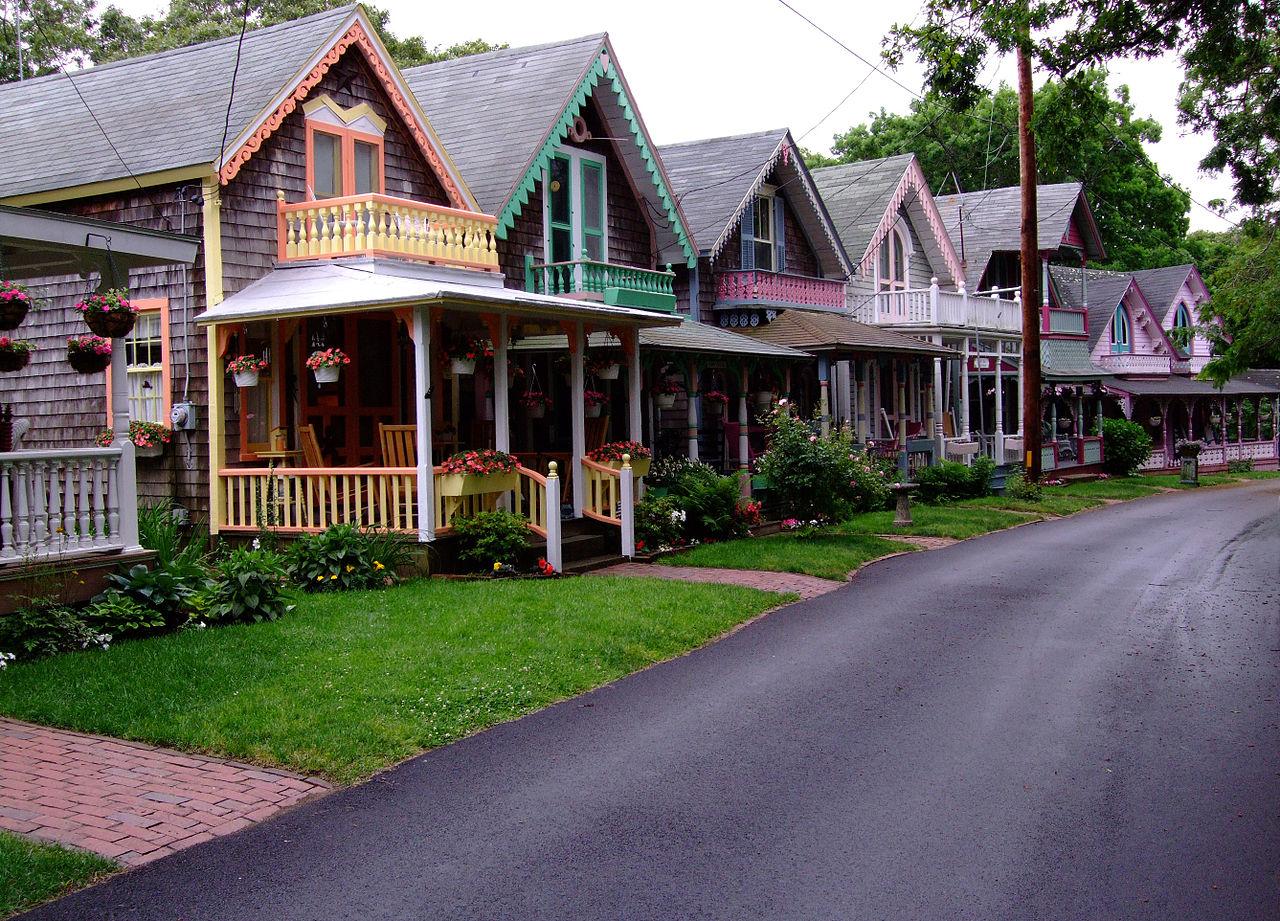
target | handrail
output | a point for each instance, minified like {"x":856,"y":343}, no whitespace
{"x":46,"y":454}
{"x":309,"y":499}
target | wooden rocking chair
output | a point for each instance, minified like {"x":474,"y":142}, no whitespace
{"x":399,"y":445}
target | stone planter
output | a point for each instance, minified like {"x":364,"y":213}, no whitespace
{"x":110,"y":324}
{"x":329,"y":374}
{"x":666,"y":400}
{"x":470,"y":484}
{"x":609,"y":372}
{"x":462,"y":365}
{"x":14,"y":361}
{"x":12,"y":313}
{"x":246,"y":378}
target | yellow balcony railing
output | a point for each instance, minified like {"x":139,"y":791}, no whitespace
{"x":379,"y":225}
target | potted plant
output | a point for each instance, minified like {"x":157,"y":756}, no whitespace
{"x":611,"y":456}
{"x":475,"y":473}
{"x":605,"y":368}
{"x":88,"y":354}
{"x":714,"y":401}
{"x":245,"y":369}
{"x":1154,"y":420}
{"x":764,"y":398}
{"x":595,"y":401}
{"x":14,"y":304}
{"x":109,"y":313}
{"x":535,"y":403}
{"x":463,"y":358}
{"x":665,"y":390}
{"x":326,"y":364}
{"x":1185,"y":447}
{"x":149,"y":438}
{"x":15,"y":353}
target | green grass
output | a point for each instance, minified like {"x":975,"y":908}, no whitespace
{"x":1256,"y":475}
{"x":32,"y":872}
{"x":1048,"y":504}
{"x":1134,"y":487}
{"x":1173,"y":480}
{"x":826,"y":555}
{"x":954,"y":521}
{"x":352,"y":682}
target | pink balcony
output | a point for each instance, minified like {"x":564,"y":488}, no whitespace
{"x":762,"y":289}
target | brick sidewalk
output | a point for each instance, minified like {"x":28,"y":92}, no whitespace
{"x":128,"y":801}
{"x":804,"y":586}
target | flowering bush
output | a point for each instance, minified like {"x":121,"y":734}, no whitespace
{"x":246,"y":363}
{"x":491,"y":540}
{"x":667,"y":385}
{"x":479,"y":463}
{"x":89,"y":345}
{"x":114,"y":301}
{"x":594,"y":397}
{"x":469,"y":350}
{"x":715,"y":396}
{"x":13,"y":293}
{"x":534,"y":398}
{"x":613,"y":451}
{"x":345,"y":557}
{"x":668,"y":471}
{"x":142,"y":434}
{"x":659,"y":523}
{"x":747,"y":513}
{"x":545,"y":568}
{"x":16,"y":346}
{"x":328,"y":358}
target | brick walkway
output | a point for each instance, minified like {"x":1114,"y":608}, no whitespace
{"x":128,"y":801}
{"x":804,"y":586}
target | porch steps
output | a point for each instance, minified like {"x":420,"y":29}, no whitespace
{"x":578,"y":567}
{"x":584,"y":545}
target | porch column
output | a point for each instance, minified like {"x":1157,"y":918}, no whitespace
{"x":635,"y":423}
{"x":744,"y":444}
{"x":501,"y":388}
{"x":1080,"y":430}
{"x":901,"y":377}
{"x":824,"y":394}
{"x":939,"y":436}
{"x":423,"y":416}
{"x":1165,"y":441}
{"x":217,"y":436}
{"x":578,"y":412}
{"x":127,"y":477}
{"x":844,"y":415}
{"x":1099,"y":413}
{"x":964,"y":393}
{"x":1189,"y":406}
{"x":691,"y":398}
{"x":1239,"y":412}
{"x":1022,"y":406}
{"x":999,"y":451}
{"x":864,"y":401}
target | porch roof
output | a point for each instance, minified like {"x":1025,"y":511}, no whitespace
{"x":36,"y":243}
{"x":1067,"y":360}
{"x":1175,"y":386}
{"x":812,"y":331}
{"x":689,"y":336}
{"x":382,"y":284}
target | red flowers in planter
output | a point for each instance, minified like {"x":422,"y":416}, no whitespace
{"x":479,"y":463}
{"x":715,"y":396}
{"x":614,"y":450}
{"x":246,"y":363}
{"x":109,"y":313}
{"x":594,"y":397}
{"x":328,"y":358}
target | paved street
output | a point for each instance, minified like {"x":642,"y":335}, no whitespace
{"x":1076,"y":719}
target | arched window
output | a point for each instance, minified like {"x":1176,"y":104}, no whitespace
{"x":1120,"y":339}
{"x":893,"y":261}
{"x":1182,"y":334}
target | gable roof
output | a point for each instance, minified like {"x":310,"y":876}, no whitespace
{"x":810,"y":331}
{"x":503,"y":113}
{"x":716,"y":178}
{"x":1161,"y":286}
{"x":169,"y":110}
{"x":992,"y":223}
{"x":1105,"y":291}
{"x":864,"y":200}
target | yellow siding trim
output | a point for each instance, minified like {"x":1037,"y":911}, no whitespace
{"x":217,"y":436}
{"x":108,"y":186}
{"x":211,"y":191}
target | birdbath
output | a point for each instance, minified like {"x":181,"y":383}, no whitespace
{"x":902,"y":509}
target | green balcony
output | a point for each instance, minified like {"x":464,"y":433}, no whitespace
{"x":615,"y":285}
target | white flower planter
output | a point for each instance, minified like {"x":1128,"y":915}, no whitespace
{"x":593,"y":410}
{"x":666,"y":400}
{"x":462,"y":365}
{"x":537,"y":412}
{"x":153,"y":451}
{"x":764,"y":398}
{"x":609,"y":372}
{"x":246,"y":378}
{"x":328,"y":374}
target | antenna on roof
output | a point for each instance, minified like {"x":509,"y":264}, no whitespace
{"x":17,"y":28}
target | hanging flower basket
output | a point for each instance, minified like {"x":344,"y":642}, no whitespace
{"x":714,"y":402}
{"x":1154,"y":420}
{"x":595,"y":401}
{"x":246,"y":368}
{"x":477,"y":473}
{"x":327,"y":364}
{"x":611,"y":456}
{"x":1064,"y":424}
{"x":88,"y":354}
{"x":109,"y":314}
{"x":462,"y":365}
{"x":463,"y":356}
{"x":14,"y":304}
{"x":609,"y":372}
{"x":535,"y":403}
{"x":764,"y":398}
{"x":665,"y":391}
{"x":14,"y":354}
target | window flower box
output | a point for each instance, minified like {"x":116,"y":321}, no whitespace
{"x":88,"y":354}
{"x":327,"y":364}
{"x":477,"y":473}
{"x":245,"y":369}
{"x":149,"y":438}
{"x":109,"y":314}
{"x":610,"y":455}
{"x":14,"y":304}
{"x":14,"y":354}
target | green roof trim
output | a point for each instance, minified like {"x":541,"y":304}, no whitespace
{"x":598,"y":70}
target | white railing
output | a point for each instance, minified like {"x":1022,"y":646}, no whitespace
{"x":310,"y":499}
{"x":1219,"y":454}
{"x":58,"y":503}
{"x":1135,"y":364}
{"x":538,"y":499}
{"x":932,"y":306}
{"x":609,"y":497}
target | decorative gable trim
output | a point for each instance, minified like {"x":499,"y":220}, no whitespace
{"x":601,"y":69}
{"x":325,"y":103}
{"x":1153,"y":320}
{"x":913,"y":183}
{"x":298,"y":90}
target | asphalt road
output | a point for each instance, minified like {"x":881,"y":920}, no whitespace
{"x":1076,"y":719}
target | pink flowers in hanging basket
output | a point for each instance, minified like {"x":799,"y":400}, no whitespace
{"x":594,"y":397}
{"x":245,"y":364}
{"x":668,"y":385}
{"x":328,"y":358}
{"x":532,"y":399}
{"x":92,"y":345}
{"x":715,"y":396}
{"x":12,"y":292}
{"x":479,"y":463}
{"x":114,"y":301}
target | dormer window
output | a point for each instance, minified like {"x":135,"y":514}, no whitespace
{"x":764,"y":232}
{"x":1121,"y":342}
{"x":762,"y":216}
{"x":575,"y":208}
{"x":344,"y":149}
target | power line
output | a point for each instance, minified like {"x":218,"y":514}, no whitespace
{"x":231,"y":96}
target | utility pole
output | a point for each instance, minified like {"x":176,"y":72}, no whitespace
{"x":1031,"y":435}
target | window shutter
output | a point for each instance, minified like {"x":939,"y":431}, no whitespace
{"x":779,"y":235}
{"x":748,"y":225}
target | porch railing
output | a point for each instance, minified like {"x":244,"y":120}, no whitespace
{"x":537,"y":497}
{"x":608,"y":496}
{"x":1064,"y":321}
{"x":620,"y":285}
{"x":379,"y":225}
{"x":308,"y":499}
{"x":1135,"y":364}
{"x":754,"y":286}
{"x":1216,"y":455}
{"x":57,"y":503}
{"x":932,"y":306}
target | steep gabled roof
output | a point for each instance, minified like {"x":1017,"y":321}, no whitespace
{"x":507,"y":111}
{"x":864,"y":200}
{"x":715,"y":179}
{"x":992,"y":223}
{"x":812,"y":331}
{"x":1161,"y":286}
{"x":169,"y":110}
{"x":1105,"y":291}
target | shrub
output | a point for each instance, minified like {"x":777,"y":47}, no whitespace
{"x":165,"y":590}
{"x":344,"y":557}
{"x":160,"y":531}
{"x":248,"y":586}
{"x":668,"y":471}
{"x":44,"y":628}
{"x":491,"y":537}
{"x":709,"y":504}
{"x":952,"y":481}
{"x":1126,"y":446}
{"x":1017,"y":486}
{"x":659,"y":522}
{"x":118,"y":614}
{"x":1243,"y":465}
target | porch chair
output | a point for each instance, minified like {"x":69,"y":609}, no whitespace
{"x":399,"y":445}
{"x":328,"y":501}
{"x":596,"y":429}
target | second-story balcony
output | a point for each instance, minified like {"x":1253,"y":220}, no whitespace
{"x":932,"y":306}
{"x":1128,"y":363}
{"x":1064,"y":321}
{"x":615,"y":285}
{"x":756,"y":288}
{"x":380,"y":225}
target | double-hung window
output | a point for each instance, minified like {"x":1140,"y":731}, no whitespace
{"x":893,"y":261}
{"x":146,"y":351}
{"x":344,"y":150}
{"x":764,"y":232}
{"x":575,"y":208}
{"x":762,"y":224}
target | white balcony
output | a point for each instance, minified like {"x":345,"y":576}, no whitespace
{"x":1135,"y":364}
{"x":932,"y":306}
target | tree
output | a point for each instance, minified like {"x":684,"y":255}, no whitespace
{"x":54,"y":33}
{"x":1246,"y":296}
{"x":1083,"y":133}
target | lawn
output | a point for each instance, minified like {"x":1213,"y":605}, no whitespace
{"x":32,"y":872}
{"x":353,"y":682}
{"x":1174,"y":480}
{"x":954,"y":521}
{"x":1049,"y":503}
{"x":1256,"y":475}
{"x":827,"y":555}
{"x":1133,"y":487}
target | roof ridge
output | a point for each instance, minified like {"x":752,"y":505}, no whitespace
{"x":726,"y":137}
{"x":336,"y":13}
{"x":501,"y":52}
{"x":1007,"y":188}
{"x":842,"y":166}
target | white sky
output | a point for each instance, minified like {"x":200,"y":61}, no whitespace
{"x":706,"y":68}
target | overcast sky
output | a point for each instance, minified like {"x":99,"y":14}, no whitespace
{"x":706,"y":68}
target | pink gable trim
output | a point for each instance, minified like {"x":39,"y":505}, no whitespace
{"x":1073,"y":237}
{"x":913,"y":181}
